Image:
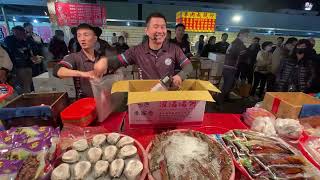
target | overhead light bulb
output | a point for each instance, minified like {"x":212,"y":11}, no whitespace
{"x":236,"y":18}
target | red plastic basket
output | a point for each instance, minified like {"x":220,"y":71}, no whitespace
{"x":80,"y":113}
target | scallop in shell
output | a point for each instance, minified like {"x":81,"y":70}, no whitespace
{"x":62,"y":172}
{"x":94,"y":154}
{"x":81,"y":170}
{"x":100,"y":168}
{"x":127,"y":152}
{"x":109,"y":153}
{"x":116,"y":168}
{"x":126,"y":140}
{"x":133,"y":169}
{"x":70,"y":156}
{"x":113,"y":138}
{"x":80,"y":145}
{"x":98,"y":140}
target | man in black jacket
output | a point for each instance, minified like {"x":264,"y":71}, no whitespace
{"x":237,"y":52}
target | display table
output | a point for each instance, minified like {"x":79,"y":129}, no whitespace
{"x":213,"y":123}
{"x":114,"y":122}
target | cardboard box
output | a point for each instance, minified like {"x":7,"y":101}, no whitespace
{"x":165,"y":108}
{"x":288,"y":104}
{"x":44,"y":83}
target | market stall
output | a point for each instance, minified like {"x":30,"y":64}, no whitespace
{"x":163,"y":134}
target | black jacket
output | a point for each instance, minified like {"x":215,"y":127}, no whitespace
{"x":221,"y":47}
{"x":236,"y":53}
{"x":208,"y":48}
{"x":294,"y":75}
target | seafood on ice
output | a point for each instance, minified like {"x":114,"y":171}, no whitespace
{"x":188,"y":155}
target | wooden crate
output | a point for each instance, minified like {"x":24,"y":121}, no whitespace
{"x":287,"y":104}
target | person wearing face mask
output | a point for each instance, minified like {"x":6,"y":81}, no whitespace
{"x":296,"y":71}
{"x":262,"y":68}
{"x":57,"y":46}
{"x":237,"y":52}
{"x":156,"y":57}
{"x":121,"y":46}
{"x":210,"y":47}
{"x":280,"y":53}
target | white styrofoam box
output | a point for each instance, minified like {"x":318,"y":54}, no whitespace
{"x":216,"y":67}
{"x":166,"y":112}
{"x":44,"y":83}
{"x":217,"y":57}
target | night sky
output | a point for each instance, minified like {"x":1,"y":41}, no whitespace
{"x":268,"y":5}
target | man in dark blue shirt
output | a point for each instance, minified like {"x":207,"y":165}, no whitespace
{"x":21,"y":54}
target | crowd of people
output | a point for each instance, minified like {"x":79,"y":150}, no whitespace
{"x":287,"y":65}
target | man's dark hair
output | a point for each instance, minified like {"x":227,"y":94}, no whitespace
{"x":120,"y":37}
{"x":19,"y":28}
{"x":26,"y":24}
{"x":87,"y":26}
{"x":243,"y":31}
{"x":155,"y":15}
{"x":265,"y":44}
{"x":114,"y":34}
{"x":58,"y":32}
{"x":74,"y":30}
{"x":98,"y":31}
{"x":225,"y":34}
{"x":180,"y":25}
{"x":257,"y":38}
{"x":202,"y":36}
{"x":168,"y":31}
{"x":291,"y":40}
{"x":282,"y":38}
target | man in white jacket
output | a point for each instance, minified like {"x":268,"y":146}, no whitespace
{"x":5,"y":65}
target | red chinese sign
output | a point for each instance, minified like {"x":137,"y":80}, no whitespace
{"x":72,"y":14}
{"x":197,"y":21}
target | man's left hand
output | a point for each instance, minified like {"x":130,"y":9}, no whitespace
{"x":177,"y":81}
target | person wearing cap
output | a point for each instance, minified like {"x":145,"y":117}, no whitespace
{"x":57,"y":46}
{"x":237,"y":52}
{"x":73,"y":45}
{"x":156,"y":58}
{"x":22,"y":57}
{"x":80,"y":64}
{"x":102,"y":47}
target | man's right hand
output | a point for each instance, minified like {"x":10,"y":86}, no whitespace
{"x":88,"y":74}
{"x":101,"y":67}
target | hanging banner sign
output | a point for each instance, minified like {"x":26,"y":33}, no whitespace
{"x":73,"y":14}
{"x":197,"y":21}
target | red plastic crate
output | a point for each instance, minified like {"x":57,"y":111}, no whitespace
{"x":80,"y":113}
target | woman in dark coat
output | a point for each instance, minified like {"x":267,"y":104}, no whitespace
{"x":296,"y":71}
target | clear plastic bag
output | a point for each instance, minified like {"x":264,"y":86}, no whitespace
{"x":106,"y":102}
